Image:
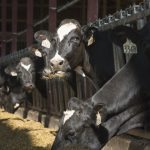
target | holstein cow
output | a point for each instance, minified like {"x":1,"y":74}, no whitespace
{"x":128,"y":87}
{"x":78,"y":130}
{"x":89,"y":51}
{"x":24,"y":71}
{"x":19,"y":83}
{"x":11,"y":100}
{"x":43,"y":49}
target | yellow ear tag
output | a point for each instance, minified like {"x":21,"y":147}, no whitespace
{"x":91,"y":40}
{"x":129,"y":47}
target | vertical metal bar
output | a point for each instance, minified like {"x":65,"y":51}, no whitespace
{"x":14,"y":24}
{"x":84,"y":12}
{"x":29,"y":22}
{"x":92,"y":10}
{"x":104,"y":7}
{"x":4,"y":19}
{"x":118,"y":4}
{"x":52,"y":15}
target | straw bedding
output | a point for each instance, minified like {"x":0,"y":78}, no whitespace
{"x":22,"y":134}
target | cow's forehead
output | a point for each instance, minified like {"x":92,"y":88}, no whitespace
{"x":67,"y":115}
{"x":26,"y":60}
{"x":26,"y":67}
{"x":64,"y":29}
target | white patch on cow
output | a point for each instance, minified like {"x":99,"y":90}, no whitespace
{"x":46,"y":43}
{"x":13,"y":73}
{"x":56,"y":58}
{"x":7,"y":89}
{"x":91,"y":40}
{"x":65,"y":29}
{"x":38,"y":53}
{"x":68,"y":114}
{"x":16,"y":105}
{"x":98,"y":119}
{"x":26,"y":67}
{"x":80,"y":71}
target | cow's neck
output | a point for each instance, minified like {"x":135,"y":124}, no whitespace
{"x":88,"y":70}
{"x":115,"y":93}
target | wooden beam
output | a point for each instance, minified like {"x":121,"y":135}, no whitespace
{"x":92,"y":10}
{"x":52,"y":15}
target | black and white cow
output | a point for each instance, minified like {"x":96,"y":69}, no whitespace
{"x":77,"y":129}
{"x":24,"y":71}
{"x":89,"y":51}
{"x":43,"y":48}
{"x":129,"y":87}
{"x":11,"y":100}
{"x":19,"y":82}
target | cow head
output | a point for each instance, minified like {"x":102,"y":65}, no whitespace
{"x":43,"y":38}
{"x":24,"y":71}
{"x":45,"y":47}
{"x":78,"y":127}
{"x":68,"y":51}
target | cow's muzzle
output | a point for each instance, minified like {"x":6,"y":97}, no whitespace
{"x":29,"y":87}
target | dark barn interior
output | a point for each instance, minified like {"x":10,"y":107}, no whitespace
{"x":20,"y":19}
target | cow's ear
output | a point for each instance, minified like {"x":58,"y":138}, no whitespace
{"x":43,"y":37}
{"x":88,"y":34}
{"x":36,"y":50}
{"x":10,"y":71}
{"x":74,"y":103}
{"x":97,"y":113}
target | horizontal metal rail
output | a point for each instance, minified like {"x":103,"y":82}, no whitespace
{"x":67,"y":5}
{"x":15,"y":56}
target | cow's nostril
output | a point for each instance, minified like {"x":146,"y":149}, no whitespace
{"x":51,"y":64}
{"x":61,"y":62}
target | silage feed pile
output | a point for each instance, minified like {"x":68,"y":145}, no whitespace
{"x":21,"y":134}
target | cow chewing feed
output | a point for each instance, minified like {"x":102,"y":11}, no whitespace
{"x":44,"y":48}
{"x":88,"y":51}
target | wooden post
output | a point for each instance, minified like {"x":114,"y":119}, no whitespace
{"x":14,"y":25}
{"x":92,"y":10}
{"x":29,"y":22}
{"x":52,"y":15}
{"x":4,"y":19}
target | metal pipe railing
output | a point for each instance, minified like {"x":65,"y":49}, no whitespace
{"x":122,"y":17}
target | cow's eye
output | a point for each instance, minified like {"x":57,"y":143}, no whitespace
{"x":70,"y":135}
{"x":19,"y":73}
{"x":75,"y":39}
{"x":53,"y":41}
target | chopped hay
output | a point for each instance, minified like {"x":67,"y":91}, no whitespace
{"x":22,"y":134}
